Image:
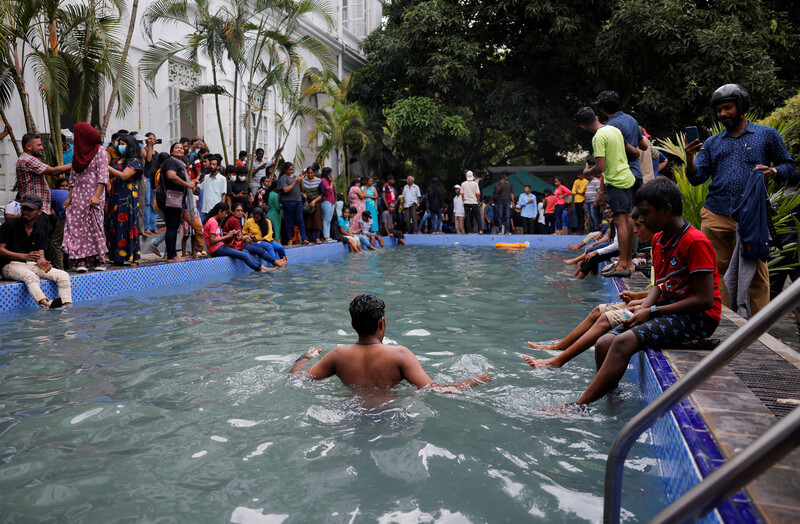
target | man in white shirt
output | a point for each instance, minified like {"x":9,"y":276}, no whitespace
{"x":411,"y":199}
{"x":472,"y":197}
{"x":259,"y":170}
{"x":214,"y":186}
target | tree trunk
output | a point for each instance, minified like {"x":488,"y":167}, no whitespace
{"x":118,"y":78}
{"x":19,"y":82}
{"x":235,"y":118}
{"x":10,"y":132}
{"x":219,"y":115}
{"x":258,"y":120}
{"x":56,"y":135}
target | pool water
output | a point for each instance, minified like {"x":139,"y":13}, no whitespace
{"x":175,"y":405}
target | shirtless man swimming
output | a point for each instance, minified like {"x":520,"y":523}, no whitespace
{"x":369,"y":362}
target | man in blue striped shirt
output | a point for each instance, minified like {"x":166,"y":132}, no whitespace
{"x":729,"y":158}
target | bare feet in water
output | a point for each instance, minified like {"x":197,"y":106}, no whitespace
{"x":551,"y":347}
{"x":541,"y":362}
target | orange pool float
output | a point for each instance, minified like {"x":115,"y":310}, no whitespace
{"x":512,"y":245}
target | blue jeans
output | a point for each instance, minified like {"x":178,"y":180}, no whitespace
{"x":595,"y":216}
{"x":244,"y":256}
{"x":598,"y":246}
{"x":327,"y":216}
{"x":259,"y":252}
{"x":364,"y":241}
{"x":436,"y":221}
{"x":150,"y":217}
{"x":274,"y":249}
{"x":504,"y":216}
{"x":293,"y":216}
{"x":426,"y":216}
{"x":559,"y":215}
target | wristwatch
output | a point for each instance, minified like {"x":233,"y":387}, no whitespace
{"x":774,"y":171}
{"x":654,"y":312}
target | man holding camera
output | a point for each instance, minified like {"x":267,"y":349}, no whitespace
{"x":729,"y":158}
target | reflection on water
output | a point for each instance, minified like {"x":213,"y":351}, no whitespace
{"x":177,"y":405}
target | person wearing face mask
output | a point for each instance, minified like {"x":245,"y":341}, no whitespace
{"x":239,"y":189}
{"x":122,"y":230}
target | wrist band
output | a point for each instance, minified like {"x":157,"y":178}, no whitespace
{"x":302,"y":357}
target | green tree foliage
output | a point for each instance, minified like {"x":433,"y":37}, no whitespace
{"x":419,"y":127}
{"x":788,"y":116}
{"x":517,"y":71}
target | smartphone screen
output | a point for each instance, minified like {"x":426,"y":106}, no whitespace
{"x":692,"y":134}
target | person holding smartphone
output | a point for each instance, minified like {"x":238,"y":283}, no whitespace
{"x":729,"y":159}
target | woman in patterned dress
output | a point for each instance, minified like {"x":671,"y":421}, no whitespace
{"x":84,"y":236}
{"x":122,"y":230}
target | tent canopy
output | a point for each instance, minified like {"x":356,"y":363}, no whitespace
{"x":519,"y":180}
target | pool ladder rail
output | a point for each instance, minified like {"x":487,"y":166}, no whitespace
{"x":759,"y":456}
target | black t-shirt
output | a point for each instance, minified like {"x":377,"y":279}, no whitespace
{"x":16,"y":239}
{"x":503,"y":192}
{"x":173,"y":164}
{"x":435,"y":199}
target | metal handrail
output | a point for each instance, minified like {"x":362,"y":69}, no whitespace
{"x":726,"y":351}
{"x":756,"y":458}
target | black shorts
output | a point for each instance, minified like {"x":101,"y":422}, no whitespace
{"x":620,"y":200}
{"x":669,"y":330}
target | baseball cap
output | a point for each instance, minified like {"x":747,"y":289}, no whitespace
{"x":457,"y":186}
{"x":139,"y":137}
{"x":31,"y":201}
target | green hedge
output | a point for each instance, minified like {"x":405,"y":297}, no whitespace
{"x":788,"y":115}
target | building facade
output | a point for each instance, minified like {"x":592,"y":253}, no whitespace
{"x":170,"y":113}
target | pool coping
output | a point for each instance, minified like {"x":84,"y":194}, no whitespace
{"x":685,"y":456}
{"x":705,"y":452}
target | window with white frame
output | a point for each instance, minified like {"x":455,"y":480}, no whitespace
{"x":354,"y":17}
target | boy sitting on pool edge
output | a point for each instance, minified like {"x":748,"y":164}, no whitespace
{"x":369,"y":362}
{"x":683,"y":305}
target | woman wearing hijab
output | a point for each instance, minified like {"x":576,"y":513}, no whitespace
{"x":122,"y":229}
{"x":84,"y":236}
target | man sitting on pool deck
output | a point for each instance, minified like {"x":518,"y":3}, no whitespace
{"x":683,"y":305}
{"x":23,"y":242}
{"x":370,"y":362}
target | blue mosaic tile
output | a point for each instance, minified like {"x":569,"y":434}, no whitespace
{"x":88,"y":286}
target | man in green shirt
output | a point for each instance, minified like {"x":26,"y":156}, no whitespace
{"x":616,"y":184}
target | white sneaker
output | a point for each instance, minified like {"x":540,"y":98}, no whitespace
{"x":81,"y":269}
{"x":100,"y":268}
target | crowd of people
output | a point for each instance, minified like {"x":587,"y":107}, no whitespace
{"x":91,"y":217}
{"x":682,"y":306}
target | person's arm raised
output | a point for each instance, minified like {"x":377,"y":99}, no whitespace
{"x":412,"y":372}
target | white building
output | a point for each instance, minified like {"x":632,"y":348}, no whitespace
{"x":162,"y":114}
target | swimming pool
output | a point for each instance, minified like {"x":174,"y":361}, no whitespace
{"x":177,"y":405}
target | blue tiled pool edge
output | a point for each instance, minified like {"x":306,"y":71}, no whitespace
{"x":88,"y":286}
{"x":686,"y":449}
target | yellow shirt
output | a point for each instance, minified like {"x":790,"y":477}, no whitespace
{"x":579,"y":190}
{"x":252,"y":229}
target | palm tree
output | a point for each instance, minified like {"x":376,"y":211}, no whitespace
{"x":121,"y":70}
{"x":62,"y":41}
{"x":341,"y":125}
{"x":274,"y":57}
{"x":207,"y":38}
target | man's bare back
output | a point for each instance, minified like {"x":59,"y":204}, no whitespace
{"x":371,"y":363}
